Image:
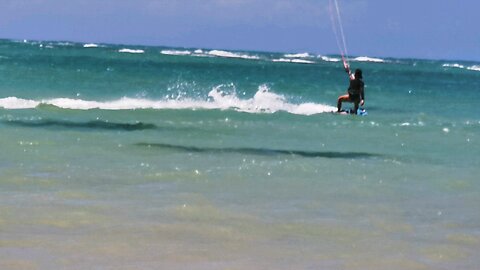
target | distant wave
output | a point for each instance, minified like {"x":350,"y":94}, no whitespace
{"x":330,"y":59}
{"x":368,"y":59}
{"x":90,"y":45}
{"x":175,"y":52}
{"x":298,"y":61}
{"x":298,"y":55}
{"x":356,"y":59}
{"x":475,"y":68}
{"x":456,"y":65}
{"x":227,"y":54}
{"x":64,"y":44}
{"x":264,"y":101}
{"x":131,"y":51}
{"x":453,"y":65}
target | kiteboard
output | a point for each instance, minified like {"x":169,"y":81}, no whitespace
{"x":360,"y":112}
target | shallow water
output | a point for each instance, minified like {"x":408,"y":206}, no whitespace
{"x":231,"y":160}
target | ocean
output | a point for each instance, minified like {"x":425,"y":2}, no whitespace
{"x":134,"y":157}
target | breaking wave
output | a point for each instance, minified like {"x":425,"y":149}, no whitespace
{"x":175,"y":52}
{"x":227,"y":54}
{"x":264,"y":101}
{"x":90,"y":45}
{"x":460,"y":66}
{"x":298,"y":61}
{"x":298,"y":55}
{"x":131,"y":51}
{"x":368,"y":59}
{"x":329,"y":59}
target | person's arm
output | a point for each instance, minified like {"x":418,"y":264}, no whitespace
{"x":347,"y":69}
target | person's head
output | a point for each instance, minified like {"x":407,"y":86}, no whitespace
{"x":358,"y":74}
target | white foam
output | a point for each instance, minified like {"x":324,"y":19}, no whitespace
{"x":330,"y":59}
{"x":453,"y":65}
{"x":297,"y":55}
{"x":264,"y":101}
{"x":17,"y":103}
{"x":90,"y":45}
{"x":368,"y":59}
{"x":131,"y":51}
{"x":302,"y":61}
{"x":226,"y":54}
{"x":64,"y":44}
{"x":282,"y":60}
{"x":474,"y":68}
{"x":175,"y":52}
{"x":298,"y":61}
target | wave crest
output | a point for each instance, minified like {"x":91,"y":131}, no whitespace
{"x":131,"y":51}
{"x":456,"y":65}
{"x":298,"y":61}
{"x":264,"y":101}
{"x":90,"y":45}
{"x":298,"y":55}
{"x":368,"y":59}
{"x":175,"y":52}
{"x":226,"y":54}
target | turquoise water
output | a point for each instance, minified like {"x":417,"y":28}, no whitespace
{"x":130,"y":157}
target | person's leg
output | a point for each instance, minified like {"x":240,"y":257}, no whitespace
{"x":344,"y":98}
{"x":355,"y":108}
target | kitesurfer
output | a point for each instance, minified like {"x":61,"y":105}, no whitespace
{"x":356,"y":93}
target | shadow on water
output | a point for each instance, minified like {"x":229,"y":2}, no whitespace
{"x":80,"y":125}
{"x":260,"y":151}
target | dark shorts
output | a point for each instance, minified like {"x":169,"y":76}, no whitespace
{"x":354,"y":97}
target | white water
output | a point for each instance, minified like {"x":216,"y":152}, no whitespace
{"x":131,"y":51}
{"x":264,"y":101}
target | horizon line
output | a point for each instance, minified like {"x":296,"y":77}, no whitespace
{"x":22,"y":40}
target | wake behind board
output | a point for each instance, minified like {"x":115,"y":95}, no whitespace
{"x":360,"y":112}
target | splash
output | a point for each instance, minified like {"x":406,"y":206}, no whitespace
{"x":265,"y":101}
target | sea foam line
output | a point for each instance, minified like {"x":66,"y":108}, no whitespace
{"x":297,"y":55}
{"x":221,"y":97}
{"x":368,"y":59}
{"x":211,"y":53}
{"x":131,"y":51}
{"x":329,"y":59}
{"x":474,"y":68}
{"x":456,"y":65}
{"x":298,"y":61}
{"x":227,"y":54}
{"x":175,"y":52}
{"x":90,"y":45}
